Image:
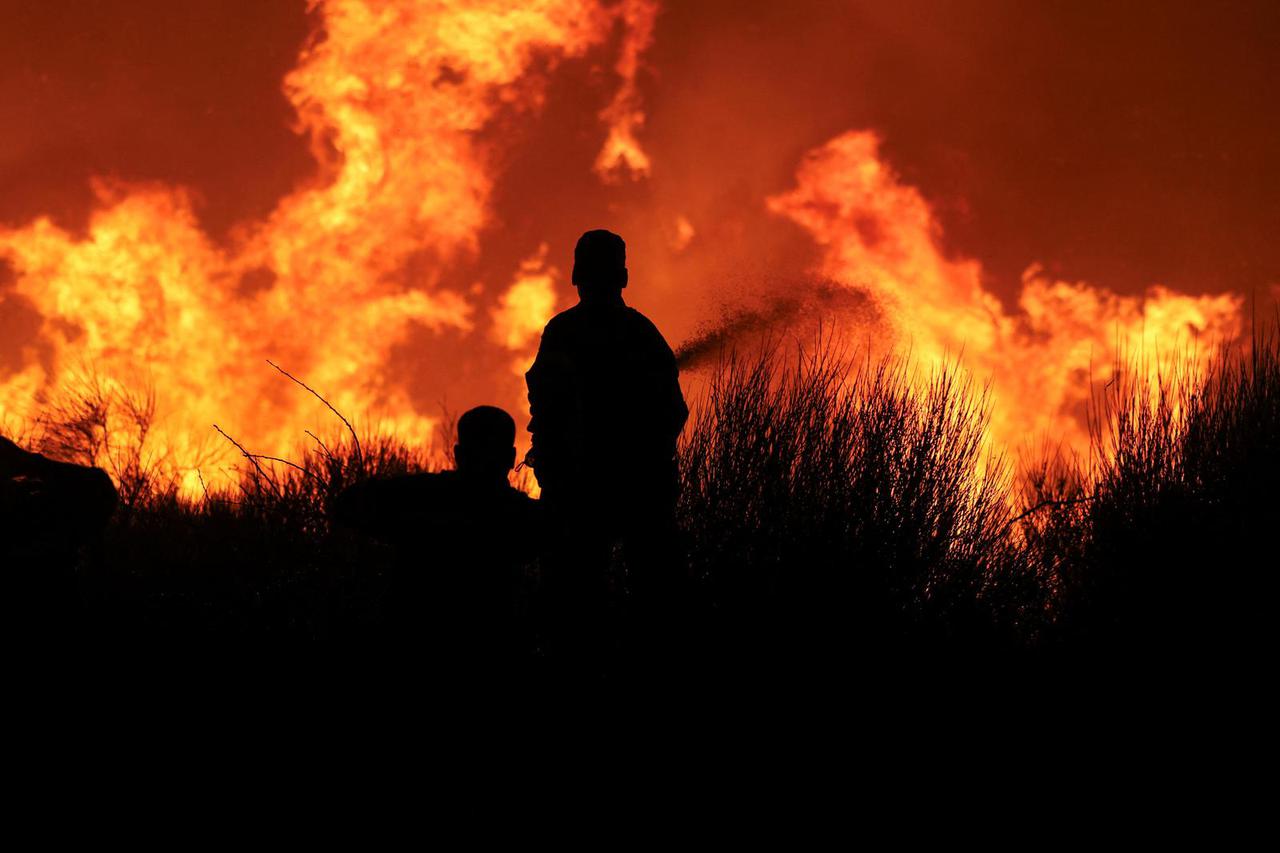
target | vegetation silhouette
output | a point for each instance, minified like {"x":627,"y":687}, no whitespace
{"x":1157,"y":544}
{"x":835,"y":516}
{"x":839,"y":509}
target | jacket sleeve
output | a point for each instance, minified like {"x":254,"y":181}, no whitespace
{"x":669,"y":409}
{"x":677,"y":409}
{"x":552,"y":383}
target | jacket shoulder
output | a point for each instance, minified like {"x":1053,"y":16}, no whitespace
{"x":645,"y":328}
{"x":562,"y":322}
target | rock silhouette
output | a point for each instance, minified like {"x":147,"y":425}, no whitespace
{"x":49,"y":513}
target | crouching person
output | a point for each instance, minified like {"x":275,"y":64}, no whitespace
{"x":49,"y":512}
{"x":465,"y":538}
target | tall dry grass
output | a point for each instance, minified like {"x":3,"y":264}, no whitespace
{"x":833,"y":510}
{"x":845,"y":506}
{"x":1159,"y":543}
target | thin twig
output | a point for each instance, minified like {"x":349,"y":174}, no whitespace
{"x":318,"y":478}
{"x":250,"y":457}
{"x":240,"y":447}
{"x":1045,"y":504}
{"x":327,"y":453}
{"x":341,"y":417}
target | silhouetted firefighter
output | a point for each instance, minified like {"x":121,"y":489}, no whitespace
{"x":48,"y":512}
{"x":464,"y":538}
{"x":606,"y":411}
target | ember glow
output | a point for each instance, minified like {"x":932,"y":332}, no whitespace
{"x":458,"y":149}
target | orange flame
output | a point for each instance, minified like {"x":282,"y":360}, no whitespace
{"x":391,"y":98}
{"x":622,"y":153}
{"x":880,"y":236}
{"x":345,"y":269}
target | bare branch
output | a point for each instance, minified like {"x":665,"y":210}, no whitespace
{"x":341,"y":417}
{"x":247,"y":454}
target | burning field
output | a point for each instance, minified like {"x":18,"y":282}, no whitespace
{"x":971,"y":304}
{"x":380,"y":197}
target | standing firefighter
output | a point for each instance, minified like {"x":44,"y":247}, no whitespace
{"x":606,"y":411}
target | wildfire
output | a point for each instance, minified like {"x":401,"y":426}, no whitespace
{"x":525,"y":308}
{"x":879,"y":236}
{"x":391,"y":96}
{"x":394,"y":97}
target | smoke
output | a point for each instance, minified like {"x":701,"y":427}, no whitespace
{"x":799,"y":308}
{"x":878,"y":233}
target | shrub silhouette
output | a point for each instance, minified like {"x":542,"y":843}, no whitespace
{"x":845,"y":505}
{"x":833,"y":511}
{"x":1158,"y":542}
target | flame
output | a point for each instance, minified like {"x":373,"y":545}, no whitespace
{"x":395,"y":99}
{"x":684,"y":234}
{"x":525,"y":308}
{"x":622,"y":154}
{"x":879,"y":235}
{"x":391,"y":97}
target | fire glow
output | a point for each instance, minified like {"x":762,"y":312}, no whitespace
{"x":395,"y":99}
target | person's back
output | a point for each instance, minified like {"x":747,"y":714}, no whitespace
{"x":448,"y":525}
{"x":463,"y":539}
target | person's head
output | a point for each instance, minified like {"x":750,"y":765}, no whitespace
{"x":486,"y":448}
{"x":599,"y":265}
